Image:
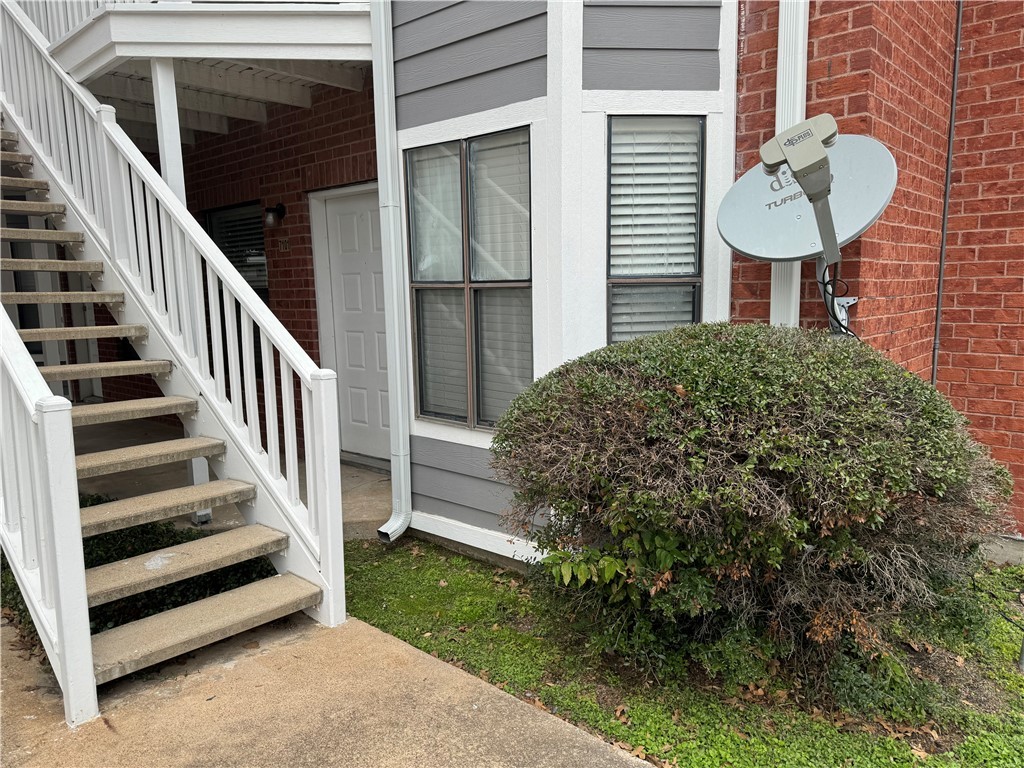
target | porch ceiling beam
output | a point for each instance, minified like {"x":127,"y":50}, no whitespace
{"x":187,"y":118}
{"x":324,"y":72}
{"x":228,"y":82}
{"x":139,"y":129}
{"x":130,"y":89}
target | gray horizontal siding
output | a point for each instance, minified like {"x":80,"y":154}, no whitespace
{"x":490,"y":90}
{"x":694,"y":29}
{"x":457,"y":482}
{"x":458,"y":21}
{"x":475,"y":55}
{"x":651,"y":46}
{"x":454,"y":59}
{"x":456,"y":512}
{"x":619,"y":70}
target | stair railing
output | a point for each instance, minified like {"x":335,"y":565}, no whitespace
{"x":40,"y":528}
{"x":55,"y":18}
{"x":255,"y":378}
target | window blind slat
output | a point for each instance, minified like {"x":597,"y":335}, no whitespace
{"x":441,"y":336}
{"x":637,"y":310}
{"x":499,"y":215}
{"x":238,"y":232}
{"x":654,"y":201}
{"x":504,"y":348}
{"x":435,"y":212}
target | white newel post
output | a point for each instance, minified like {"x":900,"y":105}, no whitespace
{"x":71,"y":607}
{"x":326,"y":495}
{"x":113,"y":187}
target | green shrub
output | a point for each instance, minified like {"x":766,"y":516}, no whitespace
{"x":719,"y":478}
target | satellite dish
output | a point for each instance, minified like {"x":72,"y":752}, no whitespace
{"x":769,"y":218}
{"x":813,"y":192}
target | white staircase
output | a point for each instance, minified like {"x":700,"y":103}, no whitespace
{"x":79,"y":201}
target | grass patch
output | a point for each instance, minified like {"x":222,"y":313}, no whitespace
{"x":508,"y":630}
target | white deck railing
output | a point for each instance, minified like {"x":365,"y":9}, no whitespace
{"x":197,"y":304}
{"x":40,"y":527}
{"x":55,"y":18}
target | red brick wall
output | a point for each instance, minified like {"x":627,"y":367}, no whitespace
{"x":884,"y":69}
{"x":982,"y":341}
{"x":296,"y":152}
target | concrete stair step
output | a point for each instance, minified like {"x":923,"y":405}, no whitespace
{"x":15,"y":158}
{"x":23,"y":235}
{"x":125,"y":649}
{"x":17,"y":182}
{"x":9,"y":136}
{"x":163,"y":505}
{"x":51,"y":265}
{"x":62,"y":297}
{"x":31,"y":208}
{"x":165,"y":566}
{"x":103,"y":370}
{"x":147,"y":455}
{"x":84,"y":332}
{"x":129,"y":410}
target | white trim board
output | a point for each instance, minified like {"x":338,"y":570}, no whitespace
{"x":474,"y":536}
{"x":477,"y":124}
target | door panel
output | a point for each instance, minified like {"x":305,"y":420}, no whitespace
{"x":357,"y":296}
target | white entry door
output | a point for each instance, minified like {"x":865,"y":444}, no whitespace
{"x":354,"y":346}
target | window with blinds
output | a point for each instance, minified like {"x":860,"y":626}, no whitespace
{"x":655,"y":200}
{"x":238,"y":232}
{"x":469,"y":238}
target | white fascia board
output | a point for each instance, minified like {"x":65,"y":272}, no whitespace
{"x":215,"y":31}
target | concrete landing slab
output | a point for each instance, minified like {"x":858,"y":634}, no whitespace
{"x":294,"y":694}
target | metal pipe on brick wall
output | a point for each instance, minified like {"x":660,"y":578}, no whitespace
{"x":945,"y":198}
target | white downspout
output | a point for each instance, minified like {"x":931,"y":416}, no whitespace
{"x":396,"y":324}
{"x":790,"y":109}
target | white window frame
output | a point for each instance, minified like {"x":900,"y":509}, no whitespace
{"x":530,"y":114}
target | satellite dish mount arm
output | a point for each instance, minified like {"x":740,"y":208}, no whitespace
{"x":803,"y":149}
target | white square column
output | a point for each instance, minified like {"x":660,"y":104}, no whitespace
{"x":168,"y":131}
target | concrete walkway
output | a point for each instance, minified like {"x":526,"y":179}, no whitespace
{"x":292,"y":694}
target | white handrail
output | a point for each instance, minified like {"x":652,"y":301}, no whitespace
{"x":273,"y":404}
{"x":39,"y":520}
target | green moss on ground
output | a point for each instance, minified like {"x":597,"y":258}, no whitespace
{"x":495,"y":624}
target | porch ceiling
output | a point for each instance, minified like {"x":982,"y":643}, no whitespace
{"x":211,"y":90}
